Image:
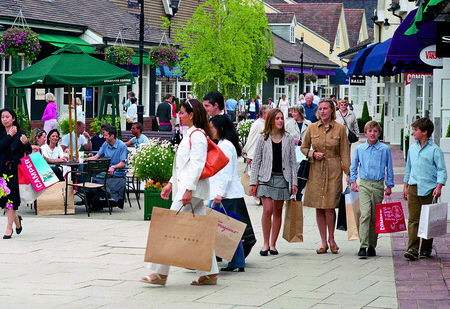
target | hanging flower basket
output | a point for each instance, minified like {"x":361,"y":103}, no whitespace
{"x":291,"y":78}
{"x":310,"y":77}
{"x":164,"y":56}
{"x":20,"y":41}
{"x":119,"y":54}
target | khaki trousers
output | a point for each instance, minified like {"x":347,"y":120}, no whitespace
{"x":371,"y":192}
{"x":414,"y":208}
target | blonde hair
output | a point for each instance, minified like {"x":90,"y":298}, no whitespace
{"x":372,"y":124}
{"x":77,"y":101}
{"x":332,"y":107}
{"x":49,"y":97}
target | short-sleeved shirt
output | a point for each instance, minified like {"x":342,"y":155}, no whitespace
{"x":138,"y":141}
{"x":164,"y":112}
{"x":48,"y":153}
{"x":117,"y":153}
{"x":82,"y":140}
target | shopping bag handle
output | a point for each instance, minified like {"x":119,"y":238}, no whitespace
{"x":224,"y":210}
{"x":192,"y":209}
{"x":435,"y":200}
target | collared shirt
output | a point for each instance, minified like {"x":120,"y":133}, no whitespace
{"x":373,"y":162}
{"x":425,"y":167}
{"x":138,"y":141}
{"x":310,"y":112}
{"x":231,"y":104}
{"x":82,"y":140}
{"x":117,"y":153}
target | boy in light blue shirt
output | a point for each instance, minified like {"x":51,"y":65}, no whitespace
{"x":425,"y":175}
{"x":372,"y":162}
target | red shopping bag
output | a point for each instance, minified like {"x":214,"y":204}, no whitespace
{"x":389,"y":218}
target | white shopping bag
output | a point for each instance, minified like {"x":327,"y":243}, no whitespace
{"x":27,"y":194}
{"x":299,"y":156}
{"x":433,"y":220}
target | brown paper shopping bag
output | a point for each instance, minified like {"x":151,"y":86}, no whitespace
{"x":229,"y":234}
{"x":245,"y":180}
{"x":51,"y":201}
{"x":352,"y":211}
{"x":293,"y":221}
{"x":181,"y":239}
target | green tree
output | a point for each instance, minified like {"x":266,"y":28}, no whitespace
{"x":365,"y":117}
{"x":227,"y":45}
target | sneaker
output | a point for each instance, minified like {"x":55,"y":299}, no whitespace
{"x":371,"y":251}
{"x":362,"y":253}
{"x":425,"y":254}
{"x":411,"y":255}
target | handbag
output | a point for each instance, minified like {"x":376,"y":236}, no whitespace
{"x":341,"y":222}
{"x":389,"y":218}
{"x":188,"y":241}
{"x":352,"y":137}
{"x":433,"y":220}
{"x":215,"y":158}
{"x":293,"y":221}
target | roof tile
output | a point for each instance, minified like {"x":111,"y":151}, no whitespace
{"x":353,"y":19}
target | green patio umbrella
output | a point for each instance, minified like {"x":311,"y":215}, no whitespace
{"x":70,"y":66}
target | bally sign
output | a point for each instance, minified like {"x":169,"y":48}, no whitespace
{"x":428,"y":56}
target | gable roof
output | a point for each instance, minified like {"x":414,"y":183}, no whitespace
{"x":280,"y":18}
{"x":101,"y":16}
{"x":353,"y":19}
{"x":322,"y":18}
{"x":290,"y":54}
{"x":368,"y":5}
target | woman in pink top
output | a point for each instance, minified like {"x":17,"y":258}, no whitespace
{"x":50,"y":115}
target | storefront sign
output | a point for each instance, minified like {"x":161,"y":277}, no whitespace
{"x":409,"y":76}
{"x":428,"y":56}
{"x":443,"y":41}
{"x":357,"y":81}
{"x":39,"y":94}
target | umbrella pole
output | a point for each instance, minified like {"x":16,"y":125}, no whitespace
{"x":75,"y":114}
{"x":70,"y":127}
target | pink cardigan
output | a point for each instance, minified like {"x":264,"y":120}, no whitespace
{"x":50,"y":112}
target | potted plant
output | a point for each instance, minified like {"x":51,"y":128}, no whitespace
{"x":291,"y":78}
{"x":20,"y":41}
{"x":153,"y":163}
{"x":119,"y":54}
{"x":164,"y":56}
{"x":243,"y":129}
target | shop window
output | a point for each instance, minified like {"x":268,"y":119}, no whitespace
{"x":184,"y":89}
{"x":167,"y":88}
{"x":419,"y":99}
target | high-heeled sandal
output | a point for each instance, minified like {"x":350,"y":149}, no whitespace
{"x":322,"y":250}
{"x":155,"y":279}
{"x":19,"y":229}
{"x":205,"y":280}
{"x":8,"y":236}
{"x":334,"y":249}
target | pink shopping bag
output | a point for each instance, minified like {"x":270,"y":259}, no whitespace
{"x":389,"y":218}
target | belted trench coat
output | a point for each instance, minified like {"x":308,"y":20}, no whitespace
{"x":324,"y":185}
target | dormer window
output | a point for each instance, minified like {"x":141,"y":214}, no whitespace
{"x":292,"y":34}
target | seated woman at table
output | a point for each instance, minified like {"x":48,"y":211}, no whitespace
{"x":38,"y":139}
{"x":53,"y":153}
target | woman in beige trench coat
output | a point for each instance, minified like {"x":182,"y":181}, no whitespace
{"x":326,"y":145}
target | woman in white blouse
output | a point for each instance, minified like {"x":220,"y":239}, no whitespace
{"x":226,"y":187}
{"x":185,"y":182}
{"x":53,"y":153}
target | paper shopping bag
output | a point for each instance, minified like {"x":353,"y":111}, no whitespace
{"x":245,"y":180}
{"x":27,"y":194}
{"x":37,"y":171}
{"x":229,"y":234}
{"x":51,"y":200}
{"x":389,"y":218}
{"x":181,"y":239}
{"x":433,"y":220}
{"x":293,"y":221}
{"x":352,"y":212}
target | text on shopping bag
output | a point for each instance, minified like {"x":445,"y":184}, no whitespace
{"x":389,"y":218}
{"x":40,"y":174}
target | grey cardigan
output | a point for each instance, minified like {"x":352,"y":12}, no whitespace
{"x":262,"y":160}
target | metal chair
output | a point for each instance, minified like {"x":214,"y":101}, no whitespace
{"x":92,"y":169}
{"x":133,"y":185}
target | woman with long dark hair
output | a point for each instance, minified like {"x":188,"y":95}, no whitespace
{"x":14,"y":145}
{"x":226,"y":187}
{"x":185,"y":183}
{"x":273,"y":176}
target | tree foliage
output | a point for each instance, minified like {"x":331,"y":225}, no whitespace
{"x":227,"y":45}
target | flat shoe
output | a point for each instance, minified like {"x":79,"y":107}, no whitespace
{"x":205,"y":280}
{"x":155,"y":279}
{"x":264,"y":252}
{"x":322,"y":250}
{"x":273,"y":252}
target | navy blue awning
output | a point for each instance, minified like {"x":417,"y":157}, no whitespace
{"x":375,"y":62}
{"x":356,"y":64}
{"x":340,"y":78}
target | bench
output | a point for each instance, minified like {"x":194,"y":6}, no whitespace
{"x":163,"y":135}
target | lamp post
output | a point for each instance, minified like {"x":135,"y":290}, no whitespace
{"x":140,"y":107}
{"x":302,"y":75}
{"x":174,"y":7}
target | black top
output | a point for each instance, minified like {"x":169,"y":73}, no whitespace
{"x":277,"y":166}
{"x":164,"y":112}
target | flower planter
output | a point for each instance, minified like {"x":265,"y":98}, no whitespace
{"x":153,"y":199}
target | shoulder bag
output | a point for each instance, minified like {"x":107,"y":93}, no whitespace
{"x":352,"y":137}
{"x":215,"y":158}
